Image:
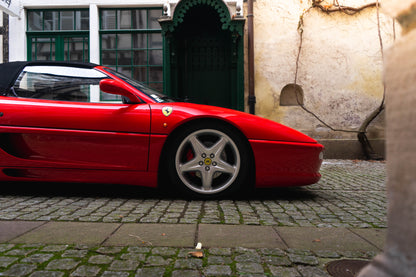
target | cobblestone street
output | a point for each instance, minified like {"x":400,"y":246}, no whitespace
{"x":351,"y":194}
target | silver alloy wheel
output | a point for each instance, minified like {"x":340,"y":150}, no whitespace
{"x":207,"y":161}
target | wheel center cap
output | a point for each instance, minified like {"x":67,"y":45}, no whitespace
{"x":208,"y":161}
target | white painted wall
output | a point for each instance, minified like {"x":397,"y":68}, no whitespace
{"x":340,"y":65}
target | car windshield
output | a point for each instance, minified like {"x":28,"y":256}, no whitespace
{"x":155,"y":95}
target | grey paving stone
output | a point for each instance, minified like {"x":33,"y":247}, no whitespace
{"x":54,"y":248}
{"x":277,"y":260}
{"x":150,"y":272}
{"x":62,"y":264}
{"x":185,"y":273}
{"x":218,"y":270}
{"x":284,"y":271}
{"x":74,"y":253}
{"x":134,"y":256}
{"x":46,"y":273}
{"x":109,"y":249}
{"x":37,"y":258}
{"x":86,"y":271}
{"x":248,"y":257}
{"x":124,"y":265}
{"x":115,"y":274}
{"x":6,"y":261}
{"x":250,"y":267}
{"x":309,"y":271}
{"x":188,"y":263}
{"x":303,"y":260}
{"x":5,"y":247}
{"x":19,"y":270}
{"x":157,"y":261}
{"x":164,"y":251}
{"x":220,"y":251}
{"x":100,"y":259}
{"x":219,"y":260}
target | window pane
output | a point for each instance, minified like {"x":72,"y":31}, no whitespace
{"x":153,"y":17}
{"x":140,"y":57}
{"x":124,"y":57}
{"x":155,"y":74}
{"x":140,"y":74}
{"x":109,"y":58}
{"x":76,"y":49}
{"x":43,"y":49}
{"x":108,"y":41}
{"x":82,"y":20}
{"x":67,"y":20}
{"x":155,"y":41}
{"x":155,"y":57}
{"x":51,"y":21}
{"x":139,"y":41}
{"x":125,"y":70}
{"x":108,"y":19}
{"x":139,"y":19}
{"x":124,"y":41}
{"x":156,"y":86}
{"x":124,"y":19}
{"x":35,"y":20}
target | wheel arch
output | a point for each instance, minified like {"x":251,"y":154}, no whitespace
{"x":162,"y":179}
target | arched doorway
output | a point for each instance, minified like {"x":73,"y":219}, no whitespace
{"x":204,"y":54}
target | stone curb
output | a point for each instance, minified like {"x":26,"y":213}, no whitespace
{"x":187,"y":235}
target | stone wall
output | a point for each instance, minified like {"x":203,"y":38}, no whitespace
{"x":339,"y":67}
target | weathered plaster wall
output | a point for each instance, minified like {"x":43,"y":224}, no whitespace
{"x":340,"y":65}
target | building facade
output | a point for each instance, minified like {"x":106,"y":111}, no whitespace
{"x":317,"y":64}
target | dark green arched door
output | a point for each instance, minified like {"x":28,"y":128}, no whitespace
{"x":203,"y":65}
{"x":203,"y":60}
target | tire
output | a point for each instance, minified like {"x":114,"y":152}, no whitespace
{"x":208,"y":160}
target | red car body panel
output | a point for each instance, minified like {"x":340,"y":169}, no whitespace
{"x":45,"y":140}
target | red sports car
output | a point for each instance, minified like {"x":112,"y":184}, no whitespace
{"x":56,"y":127}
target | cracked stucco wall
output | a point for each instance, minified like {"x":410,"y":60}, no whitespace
{"x":340,"y":65}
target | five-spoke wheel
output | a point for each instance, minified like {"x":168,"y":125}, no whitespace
{"x":209,"y":160}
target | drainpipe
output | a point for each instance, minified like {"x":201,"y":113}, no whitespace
{"x":251,"y":90}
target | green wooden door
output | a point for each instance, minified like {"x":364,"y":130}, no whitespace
{"x":205,"y":69}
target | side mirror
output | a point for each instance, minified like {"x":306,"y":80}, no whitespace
{"x":117,"y":87}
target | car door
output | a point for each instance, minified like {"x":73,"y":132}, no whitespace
{"x":51,"y":121}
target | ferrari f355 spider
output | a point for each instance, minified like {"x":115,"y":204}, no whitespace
{"x":76,"y":122}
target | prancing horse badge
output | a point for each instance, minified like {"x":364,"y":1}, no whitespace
{"x":167,"y":111}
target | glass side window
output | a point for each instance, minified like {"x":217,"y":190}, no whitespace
{"x":59,"y":83}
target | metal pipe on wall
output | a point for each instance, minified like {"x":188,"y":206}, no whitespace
{"x":251,"y":88}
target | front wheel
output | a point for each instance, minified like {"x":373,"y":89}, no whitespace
{"x":210,"y":161}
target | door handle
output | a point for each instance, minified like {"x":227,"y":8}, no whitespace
{"x":1,"y":114}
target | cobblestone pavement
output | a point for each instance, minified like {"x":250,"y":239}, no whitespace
{"x":64,"y":260}
{"x":350,"y":194}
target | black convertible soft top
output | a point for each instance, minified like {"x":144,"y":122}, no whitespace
{"x":10,"y":71}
